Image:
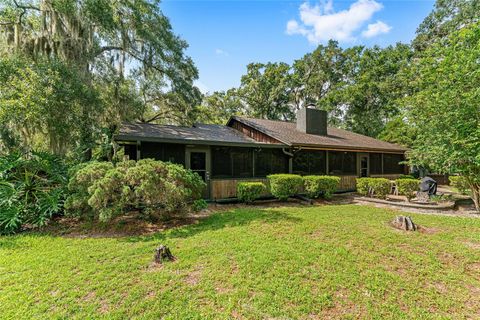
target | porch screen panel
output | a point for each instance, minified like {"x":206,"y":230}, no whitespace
{"x":221,"y":162}
{"x":167,"y":152}
{"x":270,"y":161}
{"x":391,"y":163}
{"x":309,"y":162}
{"x":232,"y":162}
{"x":242,"y":162}
{"x":342,"y":163}
{"x":174,"y":153}
{"x":376,"y":163}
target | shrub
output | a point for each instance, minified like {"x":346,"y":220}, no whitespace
{"x":199,"y":205}
{"x":104,"y":191}
{"x":373,"y":186}
{"x":84,"y":176}
{"x":32,"y":190}
{"x":249,"y":191}
{"x":406,"y":176}
{"x":320,"y":185}
{"x":283,"y":186}
{"x":459,"y":183}
{"x":407,"y":187}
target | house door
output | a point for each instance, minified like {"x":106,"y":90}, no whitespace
{"x":364,"y":164}
{"x":198,"y":160}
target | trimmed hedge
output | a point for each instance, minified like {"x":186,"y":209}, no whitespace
{"x":459,"y":183}
{"x":406,"y":176}
{"x":283,"y":186}
{"x":249,"y":191}
{"x":373,"y":187}
{"x":320,"y":185}
{"x":407,"y":187}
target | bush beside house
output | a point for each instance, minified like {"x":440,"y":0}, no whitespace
{"x":315,"y":186}
{"x":407,"y":187}
{"x":250,"y":191}
{"x":283,"y":186}
{"x":379,"y":187}
{"x":103,"y":191}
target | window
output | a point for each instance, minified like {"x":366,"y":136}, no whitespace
{"x":375,"y":163}
{"x":167,"y":152}
{"x":232,"y":162}
{"x":269,"y":161}
{"x":309,"y":162}
{"x":342,"y":163}
{"x":391,"y":163}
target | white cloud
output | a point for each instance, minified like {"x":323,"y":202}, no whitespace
{"x":221,"y":52}
{"x":320,"y":23}
{"x":375,"y":29}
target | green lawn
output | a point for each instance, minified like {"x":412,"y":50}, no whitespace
{"x":338,"y":261}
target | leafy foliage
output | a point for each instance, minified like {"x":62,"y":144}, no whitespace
{"x":98,"y":62}
{"x":283,"y":186}
{"x":32,"y":190}
{"x":379,"y":187}
{"x":250,"y":191}
{"x":315,"y":186}
{"x":199,"y":205}
{"x":103,"y":191}
{"x":405,"y":176}
{"x":445,"y":107}
{"x":459,"y":183}
{"x":447,"y":17}
{"x":407,"y":187}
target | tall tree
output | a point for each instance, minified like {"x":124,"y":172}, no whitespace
{"x":445,"y":107}
{"x":124,"y":48}
{"x":317,"y":76}
{"x":446,"y":17}
{"x":370,"y":95}
{"x":265,"y":90}
{"x":218,"y":107}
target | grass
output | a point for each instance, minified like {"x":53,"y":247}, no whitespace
{"x":338,"y":261}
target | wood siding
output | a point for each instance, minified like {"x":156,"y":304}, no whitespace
{"x":227,"y":188}
{"x":347,"y":183}
{"x":253,"y":133}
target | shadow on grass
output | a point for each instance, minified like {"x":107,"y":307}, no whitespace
{"x":217,"y":221}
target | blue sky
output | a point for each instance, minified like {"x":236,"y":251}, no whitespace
{"x":224,"y":36}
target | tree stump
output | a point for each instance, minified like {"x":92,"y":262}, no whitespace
{"x":404,"y":223}
{"x":162,"y":253}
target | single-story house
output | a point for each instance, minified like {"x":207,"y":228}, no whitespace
{"x":247,"y":149}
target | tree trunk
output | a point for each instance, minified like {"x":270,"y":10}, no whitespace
{"x":476,"y":195}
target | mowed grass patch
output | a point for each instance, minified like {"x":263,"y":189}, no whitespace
{"x":337,"y":261}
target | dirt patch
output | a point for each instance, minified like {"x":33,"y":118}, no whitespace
{"x":125,"y":226}
{"x":428,"y":230}
{"x":193,"y":277}
{"x":342,"y":308}
{"x":104,"y":307}
{"x":89,"y":297}
{"x":472,"y":245}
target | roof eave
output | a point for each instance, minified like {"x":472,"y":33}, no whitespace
{"x":345,"y":148}
{"x":129,"y":138}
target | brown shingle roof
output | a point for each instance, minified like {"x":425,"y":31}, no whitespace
{"x":287,"y":133}
{"x":200,"y":133}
